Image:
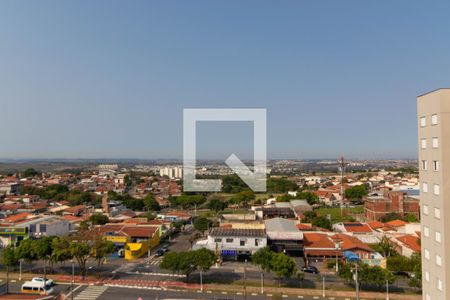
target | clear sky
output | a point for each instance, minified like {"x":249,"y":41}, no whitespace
{"x":109,"y":79}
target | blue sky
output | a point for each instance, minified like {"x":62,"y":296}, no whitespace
{"x":109,"y":79}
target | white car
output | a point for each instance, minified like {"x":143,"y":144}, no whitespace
{"x":49,"y":281}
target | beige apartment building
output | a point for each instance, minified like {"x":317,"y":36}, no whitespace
{"x":433,"y":111}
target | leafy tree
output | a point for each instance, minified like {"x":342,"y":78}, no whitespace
{"x":30,"y":172}
{"x":42,"y":249}
{"x":263,"y":258}
{"x":60,"y":250}
{"x":410,"y":218}
{"x":9,"y":259}
{"x":243,"y":198}
{"x":80,"y":248}
{"x":310,"y":197}
{"x":216,"y":204}
{"x":134,"y":204}
{"x":385,"y":247}
{"x":187,"y":201}
{"x":188,"y":261}
{"x":202,"y":224}
{"x":25,"y":251}
{"x":356,"y":192}
{"x":283,"y":265}
{"x":150,"y":203}
{"x":322,"y":222}
{"x":390,"y":217}
{"x":99,"y":219}
{"x":102,"y":249}
{"x":280,"y":185}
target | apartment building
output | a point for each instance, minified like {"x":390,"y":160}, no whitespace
{"x":434,"y":163}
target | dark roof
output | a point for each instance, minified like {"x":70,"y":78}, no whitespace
{"x":237,"y":232}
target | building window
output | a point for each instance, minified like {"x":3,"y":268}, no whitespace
{"x":427,"y":276}
{"x":426,"y":231}
{"x":229,"y":240}
{"x":425,"y":209}
{"x":43,"y":227}
{"x":32,"y":227}
{"x":217,"y":240}
{"x":437,"y":213}
{"x":424,"y":187}
{"x":434,"y":119}
{"x":438,"y":260}
{"x":438,"y":236}
{"x":435,"y":165}
{"x":435,"y":142}
{"x":436,"y":189}
{"x":439,"y":284}
{"x":424,"y":165}
{"x":423,"y":121}
{"x":427,"y":254}
{"x":423,"y":143}
{"x":242,"y":243}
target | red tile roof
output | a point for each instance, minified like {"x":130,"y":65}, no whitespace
{"x":396,"y":223}
{"x":357,"y":227}
{"x":375,"y":224}
{"x":410,"y":241}
{"x":350,"y":243}
{"x":16,"y":218}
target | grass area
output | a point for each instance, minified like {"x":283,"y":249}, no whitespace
{"x":335,"y":213}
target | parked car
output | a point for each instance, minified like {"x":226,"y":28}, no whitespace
{"x":49,"y":281}
{"x":310,"y":269}
{"x":161,"y":251}
{"x":403,"y":273}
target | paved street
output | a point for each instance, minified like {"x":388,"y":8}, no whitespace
{"x":125,"y":293}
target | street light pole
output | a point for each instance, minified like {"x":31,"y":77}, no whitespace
{"x":262,"y":283}
{"x":387,"y":289}
{"x":323,"y":286}
{"x":73,"y":275}
{"x":201,"y":281}
{"x":20,"y":269}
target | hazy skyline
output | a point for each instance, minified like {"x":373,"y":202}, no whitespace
{"x":110,"y":79}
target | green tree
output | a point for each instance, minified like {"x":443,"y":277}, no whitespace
{"x":60,"y":250}
{"x":310,"y":197}
{"x":25,"y":251}
{"x":9,"y":259}
{"x":101,"y":250}
{"x":188,"y":261}
{"x":202,"y":224}
{"x":150,"y":203}
{"x":390,"y":217}
{"x":356,"y":192}
{"x":244,"y":198}
{"x":283,"y":265}
{"x":216,"y":204}
{"x":30,"y":172}
{"x":99,"y":219}
{"x":385,"y":247}
{"x":263,"y":258}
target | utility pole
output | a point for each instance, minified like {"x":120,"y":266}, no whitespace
{"x":245,"y":283}
{"x":20,"y":269}
{"x":357,"y":281}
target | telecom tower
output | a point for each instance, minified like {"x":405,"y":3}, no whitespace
{"x":342,"y":168}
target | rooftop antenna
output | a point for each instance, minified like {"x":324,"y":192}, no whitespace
{"x":342,"y":167}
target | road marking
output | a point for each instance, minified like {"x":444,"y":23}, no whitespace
{"x":269,"y":295}
{"x":301,"y":297}
{"x":316,"y":297}
{"x":331,"y":298}
{"x":238,"y":293}
{"x":68,"y":295}
{"x":284,"y":296}
{"x":209,"y":292}
{"x":224,"y":293}
{"x":254,"y":294}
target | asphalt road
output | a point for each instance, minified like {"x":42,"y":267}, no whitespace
{"x":127,"y":293}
